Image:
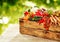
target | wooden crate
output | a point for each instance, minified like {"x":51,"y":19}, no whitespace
{"x":34,"y":29}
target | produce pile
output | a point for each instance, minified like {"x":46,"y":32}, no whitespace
{"x":43,"y":16}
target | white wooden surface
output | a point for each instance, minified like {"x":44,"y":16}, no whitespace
{"x":12,"y":35}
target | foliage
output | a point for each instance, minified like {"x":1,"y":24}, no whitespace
{"x":13,"y":9}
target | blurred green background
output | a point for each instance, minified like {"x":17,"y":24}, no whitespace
{"x":12,"y":10}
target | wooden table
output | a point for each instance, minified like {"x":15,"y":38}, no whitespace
{"x":12,"y":34}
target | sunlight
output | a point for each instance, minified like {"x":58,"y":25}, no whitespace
{"x":27,"y":3}
{"x":5,"y":20}
{"x":1,"y":21}
{"x":48,"y":1}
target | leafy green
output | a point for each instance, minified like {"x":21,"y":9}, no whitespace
{"x":35,"y":18}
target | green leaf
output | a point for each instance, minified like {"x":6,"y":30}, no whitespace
{"x":50,"y":12}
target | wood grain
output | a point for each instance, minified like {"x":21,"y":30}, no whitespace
{"x":33,"y":29}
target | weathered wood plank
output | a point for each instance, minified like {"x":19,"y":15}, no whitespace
{"x":34,"y":29}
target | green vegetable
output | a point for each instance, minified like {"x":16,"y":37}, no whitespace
{"x":50,"y":12}
{"x":35,"y":18}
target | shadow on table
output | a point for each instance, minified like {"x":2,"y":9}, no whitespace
{"x":26,"y":38}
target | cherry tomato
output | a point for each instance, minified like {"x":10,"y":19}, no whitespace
{"x":32,"y":15}
{"x":26,"y":13}
{"x":39,"y":13}
{"x":41,"y":21}
{"x":47,"y":23}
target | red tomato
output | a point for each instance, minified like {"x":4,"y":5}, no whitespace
{"x":32,"y":15}
{"x":26,"y":13}
{"x":47,"y":23}
{"x":41,"y":21}
{"x":39,"y":13}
